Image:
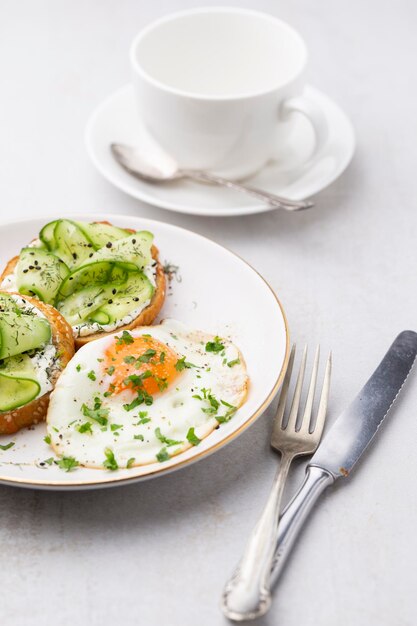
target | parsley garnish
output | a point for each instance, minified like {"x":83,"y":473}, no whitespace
{"x":49,"y":461}
{"x":130,"y":462}
{"x":162,"y":357}
{"x":234,"y":362}
{"x":110,"y":370}
{"x":78,"y":368}
{"x":110,"y":463}
{"x":181,"y":364}
{"x":67,"y":463}
{"x":92,"y":375}
{"x":215,"y":346}
{"x":125,"y":338}
{"x":47,"y":439}
{"x":163,"y":439}
{"x":140,"y":437}
{"x":146,"y":357}
{"x":96,"y":413}
{"x":129,"y":359}
{"x":114,"y":427}
{"x":162,"y":455}
{"x":85,"y":428}
{"x":7,"y":446}
{"x":192,"y":437}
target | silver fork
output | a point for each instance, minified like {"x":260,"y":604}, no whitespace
{"x":248,"y":593}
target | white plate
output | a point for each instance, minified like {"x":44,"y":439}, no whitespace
{"x":214,"y":290}
{"x":116,"y":120}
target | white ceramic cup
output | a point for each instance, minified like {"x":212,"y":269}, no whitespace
{"x":217,"y":88}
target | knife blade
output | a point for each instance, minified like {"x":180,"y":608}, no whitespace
{"x":347,"y":440}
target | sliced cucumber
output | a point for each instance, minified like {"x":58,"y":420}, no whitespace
{"x":134,"y":250}
{"x":47,"y":235}
{"x":71,"y":244}
{"x":20,"y":332}
{"x":135,"y":292}
{"x":40,"y":273}
{"x":101,"y":272}
{"x":82,"y":304}
{"x":106,"y":303}
{"x":18,"y":384}
{"x":100,"y":234}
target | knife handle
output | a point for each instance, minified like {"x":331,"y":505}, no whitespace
{"x":295,"y":514}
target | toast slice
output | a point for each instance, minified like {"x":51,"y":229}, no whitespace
{"x":62,"y":337}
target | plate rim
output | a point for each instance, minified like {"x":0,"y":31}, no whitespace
{"x":112,"y":482}
{"x":224,"y":212}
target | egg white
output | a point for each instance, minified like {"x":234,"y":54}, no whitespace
{"x":174,"y":411}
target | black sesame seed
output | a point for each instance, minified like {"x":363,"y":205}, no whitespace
{"x":31,"y":267}
{"x":110,"y":301}
{"x":25,"y":271}
{"x":109,"y":244}
{"x":114,"y":291}
{"x":90,"y":255}
{"x":36,"y":262}
{"x":135,"y":299}
{"x":74,"y":255}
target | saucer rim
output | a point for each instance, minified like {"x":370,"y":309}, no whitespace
{"x":139,"y":193}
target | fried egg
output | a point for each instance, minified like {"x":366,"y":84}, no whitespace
{"x":145,"y":395}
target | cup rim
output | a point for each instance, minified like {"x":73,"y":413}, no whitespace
{"x":208,"y":97}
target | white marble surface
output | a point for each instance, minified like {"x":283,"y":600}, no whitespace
{"x":159,"y":552}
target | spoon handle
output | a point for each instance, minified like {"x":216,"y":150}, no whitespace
{"x":265,"y":196}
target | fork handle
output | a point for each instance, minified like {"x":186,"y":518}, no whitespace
{"x":296,"y":513}
{"x":247,"y":594}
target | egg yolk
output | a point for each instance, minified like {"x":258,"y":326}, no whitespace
{"x":140,"y":363}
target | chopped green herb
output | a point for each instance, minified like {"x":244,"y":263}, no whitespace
{"x":78,"y":368}
{"x":49,"y":461}
{"x":129,"y":359}
{"x":96,"y":413}
{"x":85,"y":428}
{"x":7,"y":446}
{"x":192,"y":437}
{"x":92,"y":375}
{"x":67,"y":463}
{"x":163,"y":439}
{"x":233,"y":363}
{"x":47,"y":439}
{"x":181,"y":364}
{"x":125,"y":338}
{"x":110,"y":370}
{"x":215,"y":346}
{"x":130,"y":462}
{"x":140,"y":437}
{"x":143,"y":420}
{"x":114,"y":427}
{"x":110,"y":463}
{"x":162,"y":357}
{"x":162,"y":455}
{"x":146,"y":357}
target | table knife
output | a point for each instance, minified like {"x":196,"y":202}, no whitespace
{"x":347,"y":440}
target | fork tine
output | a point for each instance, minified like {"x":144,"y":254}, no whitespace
{"x":284,"y":389}
{"x":321,"y":414}
{"x":305,"y":423}
{"x":292,"y":420}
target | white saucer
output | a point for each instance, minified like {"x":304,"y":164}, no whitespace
{"x":116,"y":120}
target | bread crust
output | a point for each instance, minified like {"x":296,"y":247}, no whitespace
{"x":145,"y":317}
{"x":62,"y":338}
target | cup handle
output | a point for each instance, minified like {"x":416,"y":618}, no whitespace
{"x":313,"y":113}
